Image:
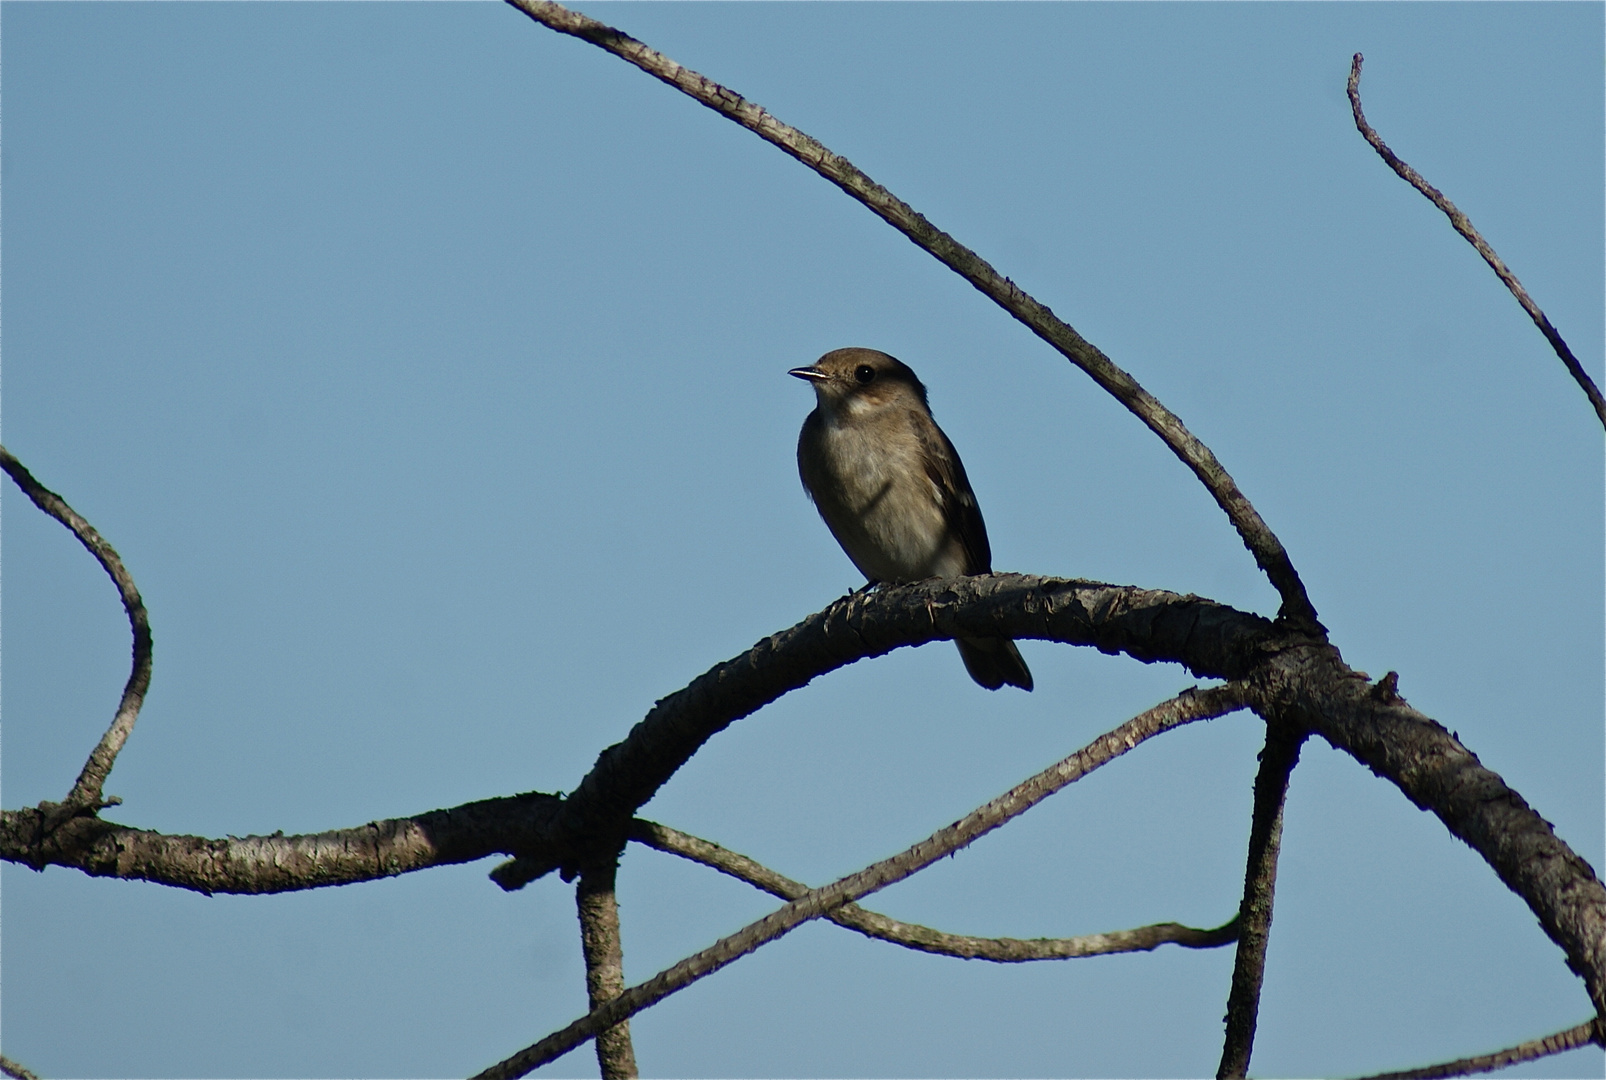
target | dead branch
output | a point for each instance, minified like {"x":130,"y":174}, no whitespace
{"x":1463,"y":225}
{"x":86,"y":792}
{"x":1571,"y":1039}
{"x":1257,"y":536}
{"x":924,"y":938}
{"x":1183,"y":709}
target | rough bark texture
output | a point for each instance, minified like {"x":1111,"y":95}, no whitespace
{"x":1277,"y":763}
{"x":605,"y":971}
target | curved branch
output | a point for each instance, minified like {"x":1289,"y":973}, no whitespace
{"x":86,"y":793}
{"x":1256,"y":534}
{"x":924,"y":938}
{"x":1463,"y":225}
{"x":1213,"y":640}
{"x":1571,"y":1039}
{"x":1183,"y":709}
{"x":1310,"y":687}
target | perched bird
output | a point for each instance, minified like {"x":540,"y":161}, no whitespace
{"x":892,"y":491}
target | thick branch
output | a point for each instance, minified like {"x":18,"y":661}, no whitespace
{"x":924,"y":938}
{"x":15,"y":1071}
{"x":278,"y":863}
{"x":1463,"y":225}
{"x":1257,"y":535}
{"x":86,"y":793}
{"x":1214,"y":641}
{"x":1277,"y":763}
{"x":1310,"y":687}
{"x":1571,"y":1039}
{"x":1183,"y":709}
{"x":605,"y":972}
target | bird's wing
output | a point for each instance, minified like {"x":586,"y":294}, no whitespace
{"x":947,"y":474}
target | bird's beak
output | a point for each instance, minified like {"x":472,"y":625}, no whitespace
{"x":812,"y":374}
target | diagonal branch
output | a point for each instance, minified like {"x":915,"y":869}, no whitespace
{"x":1463,"y":225}
{"x":1257,"y":535}
{"x":1571,"y":1039}
{"x":1183,"y":709}
{"x":924,"y":938}
{"x":86,"y":793}
{"x":1277,"y":763}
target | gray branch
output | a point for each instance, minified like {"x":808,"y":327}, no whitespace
{"x":924,"y":938}
{"x":1571,"y":1039}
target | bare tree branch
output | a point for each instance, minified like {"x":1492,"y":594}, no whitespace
{"x":1212,"y":640}
{"x":279,"y":863}
{"x":924,"y":938}
{"x":605,"y":972}
{"x":1257,"y":535}
{"x":1571,"y":1039}
{"x":1310,"y":687}
{"x":1463,"y":225}
{"x":1277,"y":763}
{"x":15,"y":1071}
{"x":86,"y":793}
{"x":1183,"y":709}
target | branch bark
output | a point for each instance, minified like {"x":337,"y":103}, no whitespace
{"x":1183,"y":709}
{"x":1257,"y":536}
{"x":1277,"y":763}
{"x":924,"y":938}
{"x":1463,"y":225}
{"x":86,"y":792}
{"x":605,"y":972}
{"x":1571,"y":1039}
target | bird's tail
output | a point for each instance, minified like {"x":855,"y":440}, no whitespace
{"x":992,"y":662}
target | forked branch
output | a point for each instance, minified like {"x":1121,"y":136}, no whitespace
{"x":1463,"y":225}
{"x":1257,"y":535}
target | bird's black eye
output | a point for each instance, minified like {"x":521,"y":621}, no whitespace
{"x":865,"y":374}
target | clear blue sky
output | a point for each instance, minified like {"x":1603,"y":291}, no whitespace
{"x":428,"y":370}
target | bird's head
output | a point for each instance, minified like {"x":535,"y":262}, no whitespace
{"x":857,"y":382}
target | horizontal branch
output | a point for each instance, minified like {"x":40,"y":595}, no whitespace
{"x":1212,"y":640}
{"x":1463,"y":225}
{"x":86,"y":792}
{"x":924,"y":938}
{"x":1183,"y":709}
{"x":1257,"y":536}
{"x":279,"y":863}
{"x":1571,"y":1039}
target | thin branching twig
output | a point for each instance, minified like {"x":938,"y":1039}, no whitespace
{"x":86,"y":793}
{"x":1185,"y":708}
{"x":1463,"y":225}
{"x":924,"y":938}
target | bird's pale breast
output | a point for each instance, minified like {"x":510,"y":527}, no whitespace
{"x":870,"y":483}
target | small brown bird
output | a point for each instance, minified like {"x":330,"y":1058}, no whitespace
{"x":891,"y":488}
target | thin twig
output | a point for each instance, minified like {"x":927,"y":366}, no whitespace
{"x":924,"y":938}
{"x":1571,"y":1039}
{"x":15,"y":1071}
{"x":605,"y":973}
{"x":1183,"y":709}
{"x":86,"y":793}
{"x":1463,"y":225}
{"x":1277,"y":762}
{"x":1257,"y":535}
